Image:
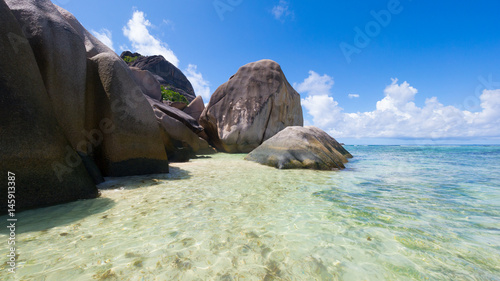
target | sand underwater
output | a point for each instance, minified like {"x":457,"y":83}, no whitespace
{"x":395,"y":213}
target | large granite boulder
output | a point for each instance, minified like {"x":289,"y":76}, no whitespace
{"x":301,"y":148}
{"x":102,"y":111}
{"x":148,"y":83}
{"x":166,"y":73}
{"x":195,"y":108}
{"x":93,"y":46}
{"x":33,"y":146}
{"x":254,"y":105}
{"x":133,"y":146}
{"x":61,"y":58}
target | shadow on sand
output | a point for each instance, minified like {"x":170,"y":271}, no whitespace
{"x":49,"y":217}
{"x":133,"y":182}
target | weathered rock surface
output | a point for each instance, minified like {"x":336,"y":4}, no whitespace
{"x":177,"y":114}
{"x":254,"y":105}
{"x":92,"y":45}
{"x":148,"y":83}
{"x":181,"y":134}
{"x":61,"y":58}
{"x":166,"y":73}
{"x":301,"y":148}
{"x":133,"y":144}
{"x":195,"y":108}
{"x":176,"y":104}
{"x":116,"y":105}
{"x":33,"y":146}
{"x":102,"y":111}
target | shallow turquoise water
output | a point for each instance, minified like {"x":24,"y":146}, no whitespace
{"x":395,"y":213}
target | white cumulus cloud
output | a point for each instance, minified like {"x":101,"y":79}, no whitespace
{"x":318,"y":105}
{"x":282,"y":10}
{"x":200,"y":85}
{"x":315,"y":84}
{"x":105,"y":37}
{"x":143,"y":42}
{"x":397,"y":116}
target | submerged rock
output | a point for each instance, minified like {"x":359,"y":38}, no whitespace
{"x":301,"y":148}
{"x":255,"y":104}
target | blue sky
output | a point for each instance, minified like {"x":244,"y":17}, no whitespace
{"x":369,"y":72}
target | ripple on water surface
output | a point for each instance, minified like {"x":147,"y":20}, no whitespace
{"x":394,"y":213}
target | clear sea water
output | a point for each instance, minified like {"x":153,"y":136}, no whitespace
{"x":395,"y":213}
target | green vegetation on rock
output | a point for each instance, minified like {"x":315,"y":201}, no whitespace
{"x":167,"y":94}
{"x":129,"y":59}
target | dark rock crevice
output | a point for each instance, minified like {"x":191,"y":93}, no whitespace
{"x":271,"y":100}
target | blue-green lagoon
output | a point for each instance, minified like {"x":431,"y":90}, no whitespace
{"x":395,"y":213}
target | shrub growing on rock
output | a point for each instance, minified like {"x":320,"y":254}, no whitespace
{"x":129,"y":59}
{"x":167,"y":94}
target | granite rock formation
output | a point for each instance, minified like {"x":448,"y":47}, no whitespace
{"x":255,"y":104}
{"x":301,"y":148}
{"x":101,"y":110}
{"x":195,"y":108}
{"x":181,"y":134}
{"x":148,"y":83}
{"x":46,"y":169}
{"x":166,"y":73}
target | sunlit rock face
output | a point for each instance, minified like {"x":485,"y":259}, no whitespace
{"x":256,"y":103}
{"x":301,"y":148}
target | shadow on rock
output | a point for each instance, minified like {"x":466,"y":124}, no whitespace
{"x":59,"y":215}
